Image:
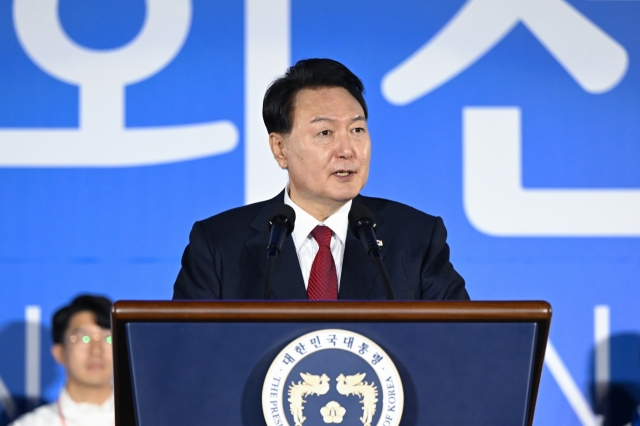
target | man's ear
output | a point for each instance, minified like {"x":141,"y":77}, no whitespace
{"x":57,"y":351}
{"x":277,"y":144}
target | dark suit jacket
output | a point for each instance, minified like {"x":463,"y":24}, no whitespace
{"x":226,"y":257}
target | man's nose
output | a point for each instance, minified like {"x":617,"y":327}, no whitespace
{"x":96,"y":347}
{"x":344,"y":147}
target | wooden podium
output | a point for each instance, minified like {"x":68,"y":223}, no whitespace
{"x":207,"y":362}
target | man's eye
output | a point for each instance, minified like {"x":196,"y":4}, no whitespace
{"x":325,"y":132}
{"x":358,"y":129}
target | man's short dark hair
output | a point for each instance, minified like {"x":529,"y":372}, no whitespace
{"x":98,"y":305}
{"x":277,"y":107}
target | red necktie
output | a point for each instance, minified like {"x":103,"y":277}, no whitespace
{"x":323,"y":280}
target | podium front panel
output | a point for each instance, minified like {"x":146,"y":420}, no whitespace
{"x":213,"y":373}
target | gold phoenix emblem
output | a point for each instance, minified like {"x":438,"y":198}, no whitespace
{"x":311,"y":385}
{"x":333,"y":412}
{"x":354,"y":385}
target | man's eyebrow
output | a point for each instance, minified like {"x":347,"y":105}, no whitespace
{"x":318,"y":119}
{"x":321,"y":118}
{"x":83,"y":330}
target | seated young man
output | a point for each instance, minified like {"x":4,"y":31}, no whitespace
{"x":82,"y":345}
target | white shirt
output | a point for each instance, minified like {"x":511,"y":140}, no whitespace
{"x":306,"y":245}
{"x":74,"y":413}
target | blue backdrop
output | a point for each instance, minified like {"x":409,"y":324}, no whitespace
{"x":555,"y":83}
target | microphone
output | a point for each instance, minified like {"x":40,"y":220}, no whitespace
{"x":363,"y":227}
{"x":281,"y":226}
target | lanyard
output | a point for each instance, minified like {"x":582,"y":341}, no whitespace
{"x":62,"y":419}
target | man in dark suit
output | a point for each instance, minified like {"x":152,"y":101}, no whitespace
{"x":316,"y":117}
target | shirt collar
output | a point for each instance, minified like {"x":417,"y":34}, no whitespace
{"x":305,"y":223}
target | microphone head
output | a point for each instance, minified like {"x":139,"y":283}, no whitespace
{"x":283,"y":213}
{"x":358,"y":215}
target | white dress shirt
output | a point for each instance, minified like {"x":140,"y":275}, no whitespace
{"x":67,"y":412}
{"x":306,"y":245}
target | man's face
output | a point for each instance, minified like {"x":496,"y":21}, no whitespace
{"x":328,"y":150}
{"x":86,"y":352}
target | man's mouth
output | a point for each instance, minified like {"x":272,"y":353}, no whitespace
{"x":342,"y":174}
{"x":95,"y":366}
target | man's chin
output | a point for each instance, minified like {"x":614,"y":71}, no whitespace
{"x":351,"y":191}
{"x":97,"y":382}
{"x":96,"y":377}
{"x":345,"y":196}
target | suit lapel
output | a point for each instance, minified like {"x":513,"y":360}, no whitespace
{"x":287,"y":280}
{"x":359,"y":273}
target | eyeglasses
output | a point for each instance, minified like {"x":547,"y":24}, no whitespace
{"x":84,"y":338}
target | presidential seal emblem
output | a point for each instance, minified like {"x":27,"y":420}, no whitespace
{"x":332,"y":376}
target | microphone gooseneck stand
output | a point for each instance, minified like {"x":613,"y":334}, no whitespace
{"x":363,"y":226}
{"x":271,"y":262}
{"x":281,"y":225}
{"x":377,"y":259}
